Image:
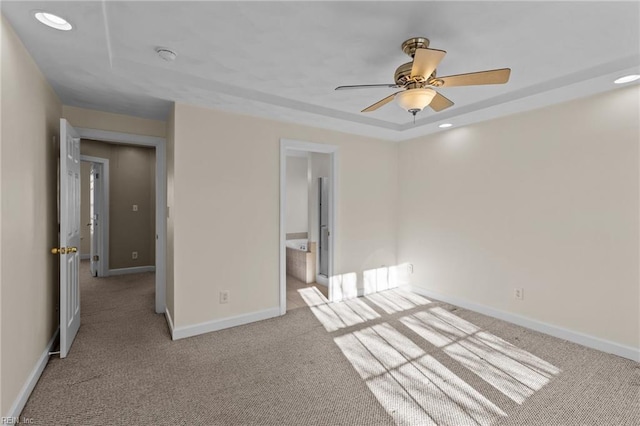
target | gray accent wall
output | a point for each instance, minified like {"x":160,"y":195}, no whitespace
{"x":132,"y":181}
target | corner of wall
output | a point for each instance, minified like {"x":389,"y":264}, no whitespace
{"x":170,"y":155}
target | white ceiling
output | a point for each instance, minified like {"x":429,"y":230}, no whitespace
{"x":282,"y":60}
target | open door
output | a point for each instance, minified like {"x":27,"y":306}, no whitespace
{"x":69,"y":236}
{"x":95,"y":196}
{"x":323,"y":223}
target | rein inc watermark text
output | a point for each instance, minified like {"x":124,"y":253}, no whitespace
{"x":16,"y":420}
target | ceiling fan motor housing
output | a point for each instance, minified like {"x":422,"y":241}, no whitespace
{"x":410,"y":46}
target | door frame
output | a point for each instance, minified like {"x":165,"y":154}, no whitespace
{"x":293,"y":146}
{"x":161,"y":197}
{"x":103,"y":248}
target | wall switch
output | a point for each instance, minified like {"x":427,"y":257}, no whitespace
{"x":135,"y":207}
{"x":224,"y":296}
{"x":410,"y":268}
{"x":518,"y":293}
{"x":134,"y":255}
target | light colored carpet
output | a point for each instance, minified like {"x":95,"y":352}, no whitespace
{"x":394,"y":358}
{"x":294,"y":299}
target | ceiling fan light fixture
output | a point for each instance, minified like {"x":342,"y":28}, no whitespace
{"x":415,"y":100}
{"x":627,"y":79}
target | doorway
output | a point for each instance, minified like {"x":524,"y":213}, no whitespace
{"x":309,"y":244}
{"x":69,"y":219}
{"x":158,"y":145}
{"x":130,"y":223}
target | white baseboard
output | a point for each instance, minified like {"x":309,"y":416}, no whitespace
{"x":220,"y":324}
{"x":552,"y":330}
{"x":132,"y":270}
{"x":167,"y":315}
{"x":34,"y":376}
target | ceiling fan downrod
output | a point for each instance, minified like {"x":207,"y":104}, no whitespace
{"x":414,"y":111}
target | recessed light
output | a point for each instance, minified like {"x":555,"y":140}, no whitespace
{"x":53,"y":21}
{"x":627,"y":79}
{"x":445,"y":125}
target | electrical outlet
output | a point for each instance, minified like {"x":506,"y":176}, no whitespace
{"x":135,"y":207}
{"x":410,"y":268}
{"x":224,"y":296}
{"x":518,"y":293}
{"x":134,"y":255}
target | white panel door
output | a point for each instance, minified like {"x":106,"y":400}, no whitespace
{"x":323,"y":222}
{"x":94,"y":207}
{"x":69,"y":236}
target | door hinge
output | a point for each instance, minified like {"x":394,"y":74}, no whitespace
{"x":96,"y":258}
{"x":97,"y":175}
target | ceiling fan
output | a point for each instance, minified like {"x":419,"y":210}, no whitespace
{"x":418,"y":78}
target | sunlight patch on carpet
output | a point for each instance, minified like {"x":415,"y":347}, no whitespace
{"x":511,"y":370}
{"x":396,"y":300}
{"x":413,"y":387}
{"x":334,"y":316}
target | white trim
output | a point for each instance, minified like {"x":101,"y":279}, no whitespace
{"x":287,"y":147}
{"x":221,"y":324}
{"x":167,"y":315}
{"x":25,"y":392}
{"x":161,"y":196}
{"x":85,"y":256}
{"x":552,"y":330}
{"x":132,"y":270}
{"x":103,"y":249}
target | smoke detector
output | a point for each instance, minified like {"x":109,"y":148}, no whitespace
{"x":166,"y":54}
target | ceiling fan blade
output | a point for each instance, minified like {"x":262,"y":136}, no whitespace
{"x":366,"y":86}
{"x":380,"y":103}
{"x":499,"y":76}
{"x":425,"y":62}
{"x":439,"y":102}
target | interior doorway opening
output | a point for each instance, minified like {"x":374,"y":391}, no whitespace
{"x":118,"y":232}
{"x":157,"y":208}
{"x":69,"y":189}
{"x":308,"y":174}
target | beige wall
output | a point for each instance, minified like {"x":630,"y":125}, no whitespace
{"x":131,"y":181}
{"x":297,"y":195}
{"x":28,"y":272}
{"x":546,"y":201}
{"x":99,"y":120}
{"x":226,"y":209}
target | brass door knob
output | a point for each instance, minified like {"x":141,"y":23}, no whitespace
{"x":72,"y":250}
{"x":61,"y":250}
